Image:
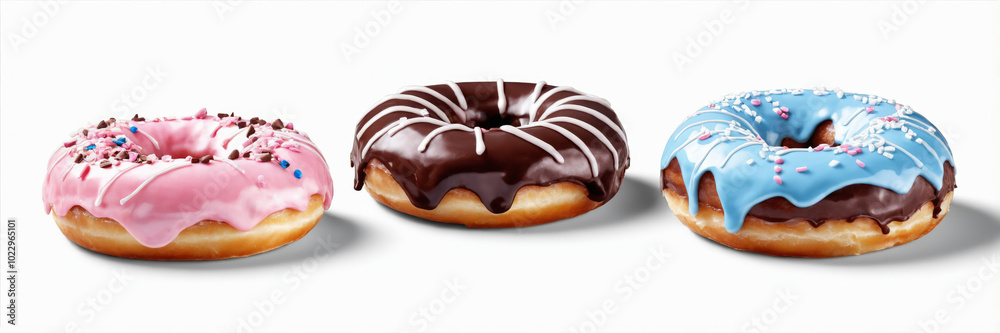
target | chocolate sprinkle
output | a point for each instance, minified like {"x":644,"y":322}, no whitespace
{"x":222,"y":115}
{"x":79,"y":158}
{"x":250,"y":132}
{"x":194,"y":160}
{"x":123,"y":155}
{"x":102,"y":124}
{"x":85,"y":131}
{"x":234,"y":155}
{"x":105,"y":164}
{"x":266,"y":158}
{"x":246,"y":154}
{"x":241,"y":124}
{"x":205,"y":159}
{"x":277,"y":124}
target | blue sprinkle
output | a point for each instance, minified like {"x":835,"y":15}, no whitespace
{"x":298,"y":174}
{"x":119,"y":141}
{"x":90,"y":147}
{"x":133,"y":129}
{"x":284,"y":164}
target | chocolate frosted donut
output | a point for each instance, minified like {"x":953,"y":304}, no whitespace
{"x":490,"y":154}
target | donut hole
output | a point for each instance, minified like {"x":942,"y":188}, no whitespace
{"x":180,"y":139}
{"x":490,"y":120}
{"x":823,"y":134}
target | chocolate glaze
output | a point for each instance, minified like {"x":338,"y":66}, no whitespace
{"x":847,"y":203}
{"x":509,"y":162}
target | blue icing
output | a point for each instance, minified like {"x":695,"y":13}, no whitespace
{"x":739,"y":132}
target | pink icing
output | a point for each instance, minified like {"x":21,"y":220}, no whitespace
{"x":189,"y":193}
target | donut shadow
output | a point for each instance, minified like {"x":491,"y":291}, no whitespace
{"x":635,"y":198}
{"x":965,"y":229}
{"x":336,"y":232}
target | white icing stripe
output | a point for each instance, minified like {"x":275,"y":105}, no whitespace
{"x":590,"y":112}
{"x":100,"y":194}
{"x":407,"y":122}
{"x":849,"y":119}
{"x":789,"y":150}
{"x":387,"y":111}
{"x":421,"y":101}
{"x":581,"y":97}
{"x":533,"y":140}
{"x":923,"y":142}
{"x":579,"y":143}
{"x":733,"y":152}
{"x":898,"y":148}
{"x":689,"y":141}
{"x":150,"y":179}
{"x":538,"y":103}
{"x":53,"y":166}
{"x":589,"y":128}
{"x":450,"y":127}
{"x":727,"y":113}
{"x":304,"y":143}
{"x":379,"y":134}
{"x":946,"y":147}
{"x":501,"y":98}
{"x":458,"y":111}
{"x":538,"y":90}
{"x":233,"y":164}
{"x":459,"y":95}
{"x":150,"y":137}
{"x":699,"y":123}
{"x":227,"y":141}
{"x":71,"y":166}
{"x":480,"y":144}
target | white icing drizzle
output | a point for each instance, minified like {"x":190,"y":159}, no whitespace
{"x":501,"y":98}
{"x":590,"y":112}
{"x":150,"y":179}
{"x":459,"y":95}
{"x":898,"y":148}
{"x":233,"y":164}
{"x":100,"y":194}
{"x":379,"y":134}
{"x":421,"y":101}
{"x":150,"y":137}
{"x":407,"y":122}
{"x":533,"y":140}
{"x":733,"y":152}
{"x":387,"y":111}
{"x":699,"y":123}
{"x":849,"y":119}
{"x":749,"y":126}
{"x":450,"y":127}
{"x":925,"y":130}
{"x":538,"y":102}
{"x":71,"y":166}
{"x":589,"y":128}
{"x":228,"y":140}
{"x":480,"y":144}
{"x":304,"y":143}
{"x":576,"y":140}
{"x":581,"y":97}
{"x":537,"y":91}
{"x":689,"y":141}
{"x":459,"y":111}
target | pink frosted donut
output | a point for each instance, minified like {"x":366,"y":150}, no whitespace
{"x":195,"y":188}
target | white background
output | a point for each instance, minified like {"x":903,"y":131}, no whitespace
{"x":286,"y":59}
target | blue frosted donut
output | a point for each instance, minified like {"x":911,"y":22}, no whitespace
{"x":882,"y":163}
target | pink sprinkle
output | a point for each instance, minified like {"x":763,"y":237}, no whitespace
{"x":132,"y":156}
{"x":86,"y":170}
{"x":755,"y":102}
{"x":777,"y":168}
{"x":784,"y":115}
{"x":201,"y":113}
{"x":899,"y":106}
{"x":846,"y":145}
{"x":820,"y":147}
{"x":779,"y":160}
{"x":857,"y":150}
{"x":711,"y":105}
{"x":778,"y":112}
{"x":69,"y":144}
{"x":801,"y":169}
{"x":261,"y":182}
{"x":289,"y":126}
{"x":852,"y":152}
{"x":784,"y":108}
{"x":706,"y":136}
{"x":870,"y":109}
{"x":777,"y":179}
{"x":860,"y":164}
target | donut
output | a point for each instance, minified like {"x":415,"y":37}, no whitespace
{"x":808,"y":173}
{"x":490,"y":154}
{"x":195,"y":188}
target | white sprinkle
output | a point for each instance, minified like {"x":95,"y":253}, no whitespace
{"x":757,"y":119}
{"x":919,"y":140}
{"x":750,"y":162}
{"x":768,"y":98}
{"x":834,"y":163}
{"x":887,"y":154}
{"x":775,"y":103}
{"x":857,"y":97}
{"x":761,"y":154}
